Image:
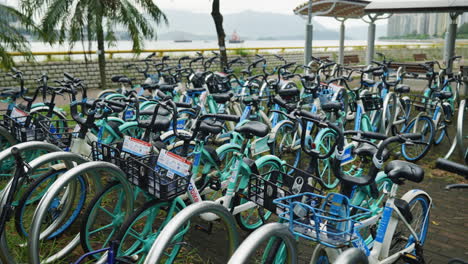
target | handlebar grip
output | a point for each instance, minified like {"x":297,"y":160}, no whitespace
{"x":16,"y":153}
{"x":374,"y":135}
{"x":278,"y":100}
{"x":183,"y":105}
{"x":162,"y":95}
{"x":115,"y":103}
{"x":69,"y":76}
{"x":309,"y":115}
{"x":451,"y":166}
{"x":413,"y":136}
{"x":225,"y":117}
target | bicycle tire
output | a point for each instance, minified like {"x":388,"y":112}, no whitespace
{"x":88,"y":217}
{"x":427,"y":127}
{"x":398,"y":235}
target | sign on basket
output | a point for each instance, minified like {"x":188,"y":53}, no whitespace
{"x":136,"y":147}
{"x":174,"y":164}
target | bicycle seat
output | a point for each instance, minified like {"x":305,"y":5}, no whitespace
{"x":222,"y":98}
{"x":195,"y":90}
{"x":211,"y":126}
{"x":366,"y":149}
{"x":289,"y":92}
{"x":397,"y":170}
{"x":402,"y":88}
{"x":331,"y":106}
{"x":167,"y":87}
{"x":253,"y":128}
{"x":161,"y":112}
{"x":116,"y":78}
{"x":160,"y":124}
{"x":443,"y":95}
{"x":309,"y":77}
{"x":368,"y":82}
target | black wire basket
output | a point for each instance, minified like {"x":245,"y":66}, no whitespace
{"x":59,"y":132}
{"x":110,"y":153}
{"x":154,"y":179}
{"x":24,"y":128}
{"x":264,"y":189}
{"x":370,"y":101}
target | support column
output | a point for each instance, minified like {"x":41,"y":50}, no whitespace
{"x":370,"y":42}
{"x":342,"y":39}
{"x":308,"y":39}
{"x":450,"y":43}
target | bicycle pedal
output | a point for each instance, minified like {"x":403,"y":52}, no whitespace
{"x":411,"y":259}
{"x":205,"y":229}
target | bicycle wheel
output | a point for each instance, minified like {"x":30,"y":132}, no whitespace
{"x":402,"y":237}
{"x":462,"y":128}
{"x":255,"y":217}
{"x":103,"y":218}
{"x":283,"y":142}
{"x":140,"y":231}
{"x":440,"y":129}
{"x":417,"y":150}
{"x":26,"y":205}
{"x":323,"y":144}
{"x":321,"y":255}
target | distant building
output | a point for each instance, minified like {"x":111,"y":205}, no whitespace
{"x":432,"y":24}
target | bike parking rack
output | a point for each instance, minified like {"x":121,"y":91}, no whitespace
{"x":263,"y":234}
{"x":352,"y":256}
{"x":5,"y":255}
{"x":172,"y":228}
{"x":62,"y":181}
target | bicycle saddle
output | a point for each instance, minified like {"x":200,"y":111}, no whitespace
{"x":253,"y":128}
{"x":196,"y":90}
{"x":222,"y":98}
{"x":10,"y":92}
{"x":402,"y":88}
{"x":161,"y":112}
{"x":160,"y":124}
{"x":211,"y":126}
{"x":398,"y":170}
{"x":368,"y":82}
{"x":309,"y":77}
{"x":166,"y":87}
{"x":366,"y":149}
{"x":289,"y":92}
{"x":443,"y":95}
{"x":331,"y":106}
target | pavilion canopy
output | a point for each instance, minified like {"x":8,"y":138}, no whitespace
{"x":334,"y":8}
{"x":430,"y":6}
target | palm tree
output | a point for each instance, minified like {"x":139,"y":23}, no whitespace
{"x":11,"y":37}
{"x":77,"y":20}
{"x":218,"y":20}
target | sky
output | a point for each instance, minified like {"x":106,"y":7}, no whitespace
{"x":235,"y":6}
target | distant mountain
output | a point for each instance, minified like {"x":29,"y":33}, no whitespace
{"x":360,"y":32}
{"x":248,"y":24}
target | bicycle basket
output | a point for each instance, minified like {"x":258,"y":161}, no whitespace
{"x":58,"y":132}
{"x":372,"y":102}
{"x":146,"y":173}
{"x":24,"y":127}
{"x":324,"y":219}
{"x":264,"y":189}
{"x":110,"y":153}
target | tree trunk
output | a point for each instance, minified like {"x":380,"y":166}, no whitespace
{"x":218,"y":19}
{"x":101,"y":54}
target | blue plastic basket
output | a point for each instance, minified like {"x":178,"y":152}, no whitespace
{"x":324,"y":219}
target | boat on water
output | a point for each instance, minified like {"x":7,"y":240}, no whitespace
{"x":235,"y":38}
{"x":182,"y":40}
